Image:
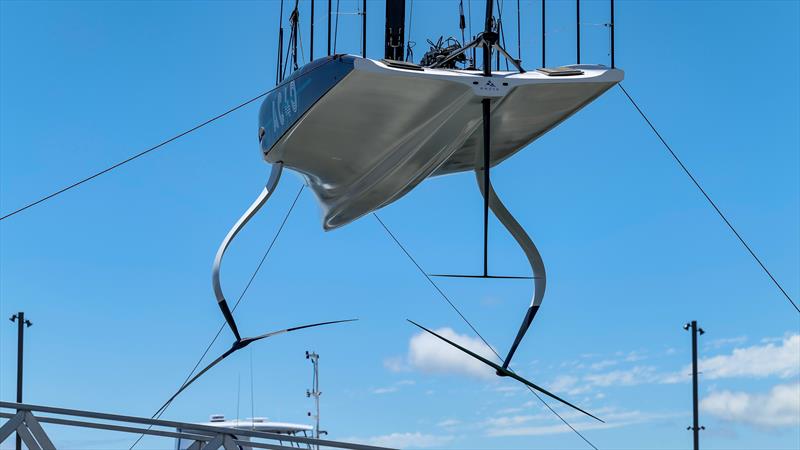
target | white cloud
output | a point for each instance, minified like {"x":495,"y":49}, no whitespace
{"x":774,"y":358}
{"x":393,"y":388}
{"x":778,"y":408}
{"x":384,"y":390}
{"x":512,"y":410}
{"x":396,"y":364}
{"x":563,"y":383}
{"x":568,"y":384}
{"x":724,"y":342}
{"x":430,"y":354}
{"x":448,"y":423}
{"x":635,"y":356}
{"x":404,"y":440}
{"x":530,"y":425}
{"x":603,"y":364}
{"x":628,"y":377}
{"x":782,"y":360}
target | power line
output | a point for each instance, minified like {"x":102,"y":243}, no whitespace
{"x":711,"y":202}
{"x":163,"y":409}
{"x":136,"y":156}
{"x":455,"y":308}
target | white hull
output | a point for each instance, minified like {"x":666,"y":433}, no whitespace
{"x":381,"y":130}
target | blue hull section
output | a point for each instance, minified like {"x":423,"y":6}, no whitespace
{"x":284,"y":106}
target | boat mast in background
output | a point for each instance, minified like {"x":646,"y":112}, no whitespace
{"x":314,"y":392}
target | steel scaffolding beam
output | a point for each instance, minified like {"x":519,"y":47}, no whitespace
{"x":205,"y":437}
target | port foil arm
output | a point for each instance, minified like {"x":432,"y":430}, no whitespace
{"x":272,"y":183}
{"x":531,"y":252}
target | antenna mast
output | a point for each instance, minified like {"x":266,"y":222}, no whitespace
{"x":314,"y":392}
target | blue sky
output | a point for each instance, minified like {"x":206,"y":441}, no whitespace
{"x":115,"y":275}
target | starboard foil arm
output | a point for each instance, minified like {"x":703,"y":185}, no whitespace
{"x":531,"y":252}
{"x":506,"y":372}
{"x":272,"y":183}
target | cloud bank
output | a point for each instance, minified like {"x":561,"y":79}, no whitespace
{"x":780,"y":407}
{"x":404,"y":440}
{"x":781,"y":360}
{"x":430,"y":354}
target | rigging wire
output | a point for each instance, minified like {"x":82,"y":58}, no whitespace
{"x":363,"y":29}
{"x":300,"y":44}
{"x":409,"y":47}
{"x":519,"y":35}
{"x":501,"y":32}
{"x":469,"y":23}
{"x":279,"y":69}
{"x":238,"y":395}
{"x":336,"y":28}
{"x":252,"y":394}
{"x":142,"y":153}
{"x":291,"y":48}
{"x":708,"y":198}
{"x":460,"y":314}
{"x":238,"y":301}
{"x":461,"y":21}
{"x":136,"y":156}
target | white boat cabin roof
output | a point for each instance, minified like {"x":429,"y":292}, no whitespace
{"x":257,"y":424}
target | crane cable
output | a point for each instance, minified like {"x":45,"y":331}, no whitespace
{"x":708,"y":198}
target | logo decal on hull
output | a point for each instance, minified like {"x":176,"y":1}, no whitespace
{"x":285,"y":105}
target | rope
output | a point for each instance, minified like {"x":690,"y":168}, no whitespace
{"x":222,"y":326}
{"x":252,"y":394}
{"x":409,"y":51}
{"x":708,"y":198}
{"x":501,"y":31}
{"x":460,"y":314}
{"x":519,"y":35}
{"x":140,"y":154}
{"x":336,"y":28}
{"x":469,"y":23}
{"x":136,"y":156}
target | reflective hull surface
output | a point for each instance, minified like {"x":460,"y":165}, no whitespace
{"x":363,"y":134}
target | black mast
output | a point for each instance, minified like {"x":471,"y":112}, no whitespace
{"x":612,"y":35}
{"x":279,"y":76}
{"x":394,"y":47}
{"x":544,"y":64}
{"x":294,"y":19}
{"x":364,"y":29}
{"x":311,"y":45}
{"x":578,"y":29}
{"x":486,"y":104}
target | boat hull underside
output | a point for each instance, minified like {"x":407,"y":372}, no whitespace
{"x":379,"y":132}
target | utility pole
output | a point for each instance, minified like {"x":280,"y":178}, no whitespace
{"x":314,"y":392}
{"x":21,"y":325}
{"x":695,"y":423}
